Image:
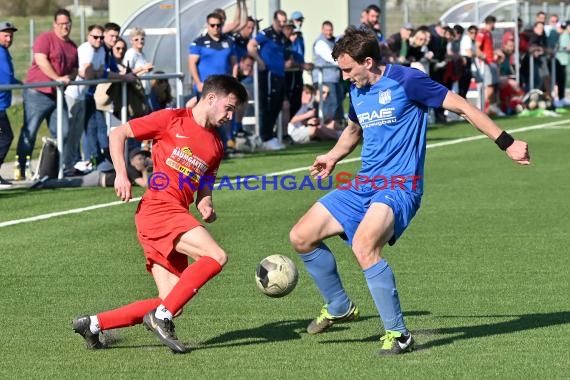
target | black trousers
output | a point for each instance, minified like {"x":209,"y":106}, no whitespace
{"x":6,"y":136}
{"x":271,"y":88}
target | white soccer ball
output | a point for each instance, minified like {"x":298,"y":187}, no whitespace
{"x":276,"y":276}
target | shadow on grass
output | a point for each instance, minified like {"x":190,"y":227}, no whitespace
{"x":520,"y":323}
{"x":267,"y":333}
{"x":278,"y":331}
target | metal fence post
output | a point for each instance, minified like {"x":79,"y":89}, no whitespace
{"x":60,"y":99}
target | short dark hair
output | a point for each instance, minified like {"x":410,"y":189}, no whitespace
{"x":217,"y":16}
{"x":490,"y":19}
{"x":225,"y":84}
{"x":327,"y":22}
{"x":279,"y":12}
{"x":358,"y":43}
{"x":61,"y":12}
{"x":112,"y":26}
{"x":373,"y":7}
{"x":95,"y":26}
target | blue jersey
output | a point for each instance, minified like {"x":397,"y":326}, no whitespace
{"x":6,"y":77}
{"x":214,"y":55}
{"x":240,"y":45}
{"x":272,"y":50}
{"x":393,"y":114}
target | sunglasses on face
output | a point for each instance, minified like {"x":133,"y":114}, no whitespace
{"x":215,"y":25}
{"x":98,"y":37}
{"x":119,"y":48}
{"x":138,"y":39}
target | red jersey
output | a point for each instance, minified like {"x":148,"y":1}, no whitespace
{"x":61,"y":54}
{"x":484,"y":40}
{"x":182,"y":151}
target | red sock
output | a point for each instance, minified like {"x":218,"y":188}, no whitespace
{"x":128,"y":315}
{"x":192,"y":279}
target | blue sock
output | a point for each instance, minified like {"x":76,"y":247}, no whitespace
{"x":321,"y":265}
{"x":382,"y":285}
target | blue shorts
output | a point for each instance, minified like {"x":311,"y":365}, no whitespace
{"x":349,"y":206}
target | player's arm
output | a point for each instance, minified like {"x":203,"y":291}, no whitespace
{"x":517,"y":150}
{"x":117,"y":139}
{"x":349,"y":139}
{"x":205,"y":204}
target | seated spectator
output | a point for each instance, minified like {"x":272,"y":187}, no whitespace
{"x":104,"y":176}
{"x":160,"y":95}
{"x":305,"y":125}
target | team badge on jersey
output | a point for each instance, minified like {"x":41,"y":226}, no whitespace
{"x":385,"y":97}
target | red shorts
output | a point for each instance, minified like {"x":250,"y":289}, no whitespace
{"x":159,"y":224}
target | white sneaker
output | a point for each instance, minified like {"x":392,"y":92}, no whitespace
{"x":272,"y":144}
{"x":494,"y":110}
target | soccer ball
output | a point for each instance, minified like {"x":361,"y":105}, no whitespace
{"x":276,"y":276}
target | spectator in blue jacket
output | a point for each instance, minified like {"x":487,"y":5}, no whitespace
{"x":7,"y":30}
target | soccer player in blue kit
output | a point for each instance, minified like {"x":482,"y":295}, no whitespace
{"x":389,"y":112}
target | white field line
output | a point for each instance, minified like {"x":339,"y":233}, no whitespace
{"x":553,"y":125}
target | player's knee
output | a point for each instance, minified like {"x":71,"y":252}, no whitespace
{"x":299,"y":240}
{"x":220,"y":256}
{"x":365,"y":252}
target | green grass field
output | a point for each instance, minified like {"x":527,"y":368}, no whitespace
{"x":482,"y":274}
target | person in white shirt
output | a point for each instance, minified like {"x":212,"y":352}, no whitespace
{"x":467,"y":50}
{"x":80,"y":101}
{"x":322,"y":50}
{"x":135,"y":58}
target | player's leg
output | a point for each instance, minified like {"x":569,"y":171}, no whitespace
{"x":376,"y":229}
{"x":307,"y":238}
{"x":209,"y":259}
{"x":89,"y":327}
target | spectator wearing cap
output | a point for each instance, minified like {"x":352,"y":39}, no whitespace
{"x":399,"y":43}
{"x":562,"y":61}
{"x":299,"y":43}
{"x":270,"y":60}
{"x":7,"y":30}
{"x":322,"y":56}
{"x":55,"y":59}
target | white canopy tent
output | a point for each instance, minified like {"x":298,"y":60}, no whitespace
{"x":171,"y":26}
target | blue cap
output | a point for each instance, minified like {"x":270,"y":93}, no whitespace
{"x":297,"y":16}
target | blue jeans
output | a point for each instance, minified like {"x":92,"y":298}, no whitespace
{"x":37,"y":108}
{"x":95,"y":139}
{"x":77,"y":119}
{"x":6,"y":136}
{"x":333,"y":106}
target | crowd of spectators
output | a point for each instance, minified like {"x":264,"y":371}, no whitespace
{"x":455,"y":56}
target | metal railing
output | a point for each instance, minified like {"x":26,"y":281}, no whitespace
{"x":60,"y":98}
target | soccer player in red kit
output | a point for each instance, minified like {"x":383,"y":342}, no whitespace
{"x":185,"y":148}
